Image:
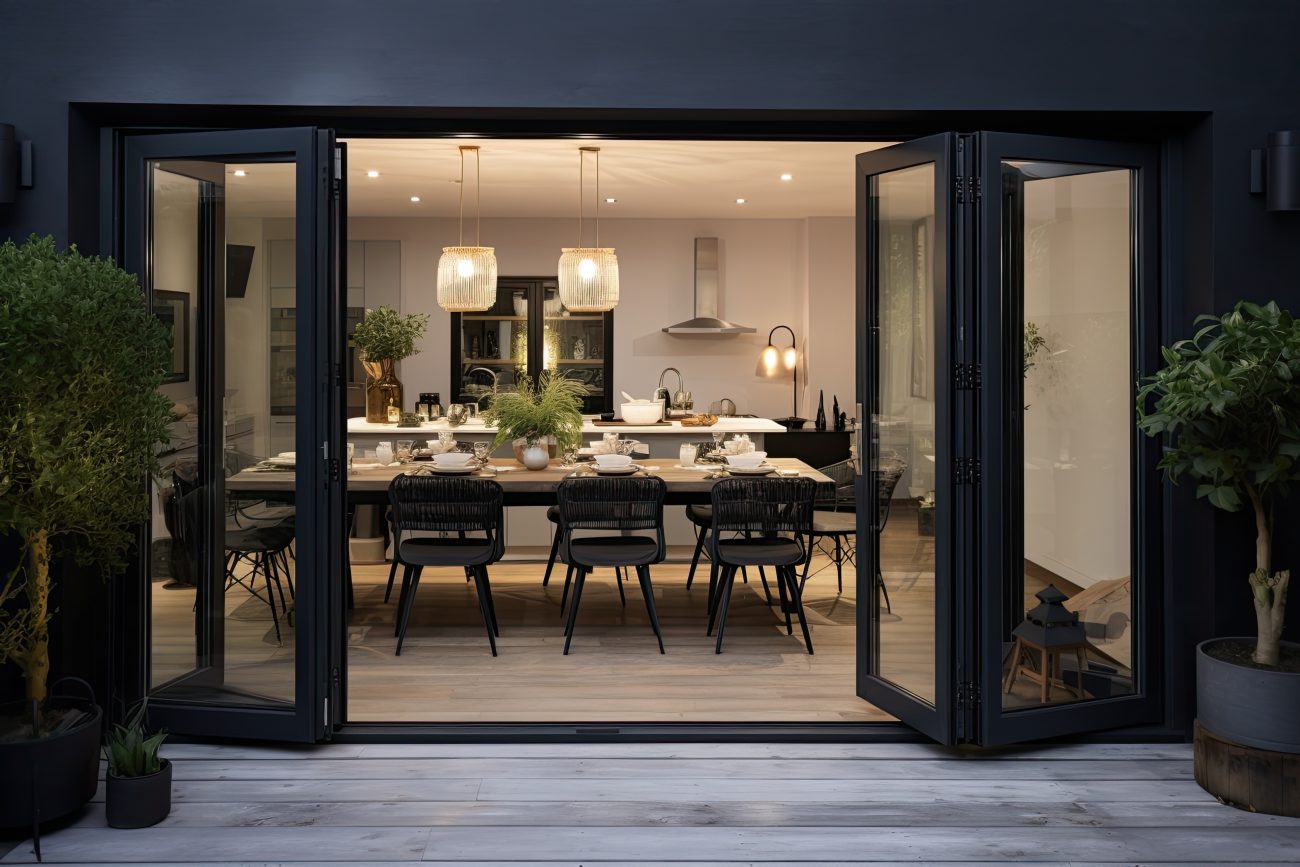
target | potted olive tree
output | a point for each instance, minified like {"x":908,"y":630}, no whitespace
{"x":537,"y":414}
{"x":81,"y":419}
{"x":1228,"y":401}
{"x":384,"y":337}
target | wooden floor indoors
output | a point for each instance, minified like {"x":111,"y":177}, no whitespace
{"x":683,"y":803}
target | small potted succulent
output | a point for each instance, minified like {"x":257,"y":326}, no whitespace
{"x":384,"y":337}
{"x":138,"y":787}
{"x":538,"y":416}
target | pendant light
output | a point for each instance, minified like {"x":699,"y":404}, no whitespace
{"x":588,"y":276}
{"x":467,"y":276}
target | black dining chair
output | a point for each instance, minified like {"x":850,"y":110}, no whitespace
{"x":614,"y":505}
{"x":769,"y":519}
{"x":433,"y":504}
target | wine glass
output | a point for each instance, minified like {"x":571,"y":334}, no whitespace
{"x":404,"y":451}
{"x":718,"y":437}
{"x":481,"y":451}
{"x":570,"y":456}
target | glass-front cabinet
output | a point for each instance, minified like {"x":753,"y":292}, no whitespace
{"x":526,"y":332}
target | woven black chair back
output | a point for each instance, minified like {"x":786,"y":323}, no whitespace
{"x":838,"y":493}
{"x":430,"y":504}
{"x":763,"y":506}
{"x":612,"y":503}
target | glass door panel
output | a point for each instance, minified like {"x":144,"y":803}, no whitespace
{"x":236,"y":582}
{"x":903,"y":230}
{"x":1069,"y":276}
{"x":576,"y":345}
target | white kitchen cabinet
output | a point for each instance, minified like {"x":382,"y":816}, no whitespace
{"x":356,"y":287}
{"x":382,"y":274}
{"x":527,"y":526}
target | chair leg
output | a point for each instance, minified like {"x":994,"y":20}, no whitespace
{"x":550,"y":561}
{"x":880,"y":582}
{"x":407,"y":572}
{"x":839,"y":564}
{"x":767,"y":591}
{"x":407,"y":603}
{"x":568,"y":582}
{"x":785,"y":603}
{"x":270,"y":595}
{"x":695,"y":559}
{"x":272,"y":567}
{"x":728,"y":579}
{"x":485,"y":605}
{"x":808,"y":555}
{"x":618,"y":579}
{"x":573,"y":609}
{"x":392,"y":573}
{"x":744,"y":574}
{"x":491,"y":607}
{"x":713,"y":587}
{"x":797,"y":594}
{"x":647,"y":590}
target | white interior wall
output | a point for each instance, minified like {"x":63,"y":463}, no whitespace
{"x":176,"y":257}
{"x":1078,"y":428}
{"x":248,"y":336}
{"x":831,"y":313}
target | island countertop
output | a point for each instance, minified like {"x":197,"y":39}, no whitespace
{"x":726,"y":425}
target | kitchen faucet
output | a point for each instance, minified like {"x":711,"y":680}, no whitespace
{"x":681,"y":399}
{"x":490,"y":372}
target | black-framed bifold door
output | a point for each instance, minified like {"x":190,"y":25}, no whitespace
{"x":229,"y":233}
{"x":1009,"y":304}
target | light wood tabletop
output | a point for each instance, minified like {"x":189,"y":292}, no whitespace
{"x":514,"y":478}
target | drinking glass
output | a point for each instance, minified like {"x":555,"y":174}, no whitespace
{"x":471,"y":411}
{"x":404,"y":450}
{"x":625,"y":446}
{"x":384,"y":452}
{"x":481,"y":451}
{"x":446,"y":441}
{"x":718,"y":437}
{"x":352,"y":451}
{"x":570,"y":456}
{"x":455,"y":414}
{"x":686,"y":454}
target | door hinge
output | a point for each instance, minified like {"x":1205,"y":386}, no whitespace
{"x":334,"y":469}
{"x":966,"y":471}
{"x":968,"y":694}
{"x":966,"y":376}
{"x":969,"y":190}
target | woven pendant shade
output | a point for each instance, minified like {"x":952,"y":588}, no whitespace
{"x":588,"y":279}
{"x":467,"y":279}
{"x":467,"y":276}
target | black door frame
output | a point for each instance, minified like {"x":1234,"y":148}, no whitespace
{"x":100,"y":129}
{"x":310,"y":152}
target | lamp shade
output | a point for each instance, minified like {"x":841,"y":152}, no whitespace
{"x":588,"y":278}
{"x":467,"y":279}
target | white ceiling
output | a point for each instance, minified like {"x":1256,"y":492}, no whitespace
{"x":539,"y":178}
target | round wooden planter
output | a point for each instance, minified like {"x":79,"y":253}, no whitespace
{"x":1261,"y":781}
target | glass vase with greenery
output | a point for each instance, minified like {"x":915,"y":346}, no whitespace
{"x":384,"y":338}
{"x":1228,"y":402}
{"x":82,"y":422}
{"x":537,"y":411}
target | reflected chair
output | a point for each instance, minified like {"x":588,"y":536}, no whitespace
{"x":772,"y":518}
{"x":433,"y":504}
{"x":615,"y":505}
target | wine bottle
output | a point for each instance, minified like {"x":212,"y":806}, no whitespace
{"x":820,"y":424}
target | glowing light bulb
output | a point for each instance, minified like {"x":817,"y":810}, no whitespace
{"x":790,"y":358}
{"x":465,"y":268}
{"x":587,"y":269}
{"x":770,"y":357}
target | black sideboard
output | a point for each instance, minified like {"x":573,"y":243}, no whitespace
{"x":818,"y":448}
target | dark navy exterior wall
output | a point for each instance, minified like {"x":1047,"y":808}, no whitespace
{"x":1229,"y":67}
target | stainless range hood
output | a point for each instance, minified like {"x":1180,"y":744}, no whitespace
{"x":706,"y":319}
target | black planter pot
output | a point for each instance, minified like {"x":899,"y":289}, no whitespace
{"x":47,"y":778}
{"x":1254,"y":707}
{"x":138,"y":802}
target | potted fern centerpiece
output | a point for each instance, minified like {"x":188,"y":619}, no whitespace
{"x":384,"y":338}
{"x":1229,"y":404}
{"x":537,"y":417}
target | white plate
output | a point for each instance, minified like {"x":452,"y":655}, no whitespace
{"x":453,"y":471}
{"x":616,"y":471}
{"x":761,"y":470}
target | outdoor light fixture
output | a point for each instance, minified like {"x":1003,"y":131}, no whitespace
{"x":776,"y":363}
{"x":588,"y":276}
{"x":1275,"y":171}
{"x":467,"y":276}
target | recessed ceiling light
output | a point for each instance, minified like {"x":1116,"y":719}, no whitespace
{"x":415,"y":198}
{"x":240,"y":173}
{"x":611,"y":200}
{"x":372,"y":174}
{"x":740,"y":201}
{"x":787,"y":177}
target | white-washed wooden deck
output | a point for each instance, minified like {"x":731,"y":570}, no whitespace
{"x":681,"y":803}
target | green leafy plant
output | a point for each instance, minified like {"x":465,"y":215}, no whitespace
{"x":386,"y":334}
{"x":130,"y":751}
{"x":81,"y":420}
{"x":1034,"y":344}
{"x":550,"y":407}
{"x":1228,"y":402}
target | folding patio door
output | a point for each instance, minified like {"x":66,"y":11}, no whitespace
{"x":1007,"y":307}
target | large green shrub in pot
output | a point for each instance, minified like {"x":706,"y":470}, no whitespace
{"x":81,"y":420}
{"x":1229,"y":401}
{"x":386,"y":334}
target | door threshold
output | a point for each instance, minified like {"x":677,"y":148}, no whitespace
{"x":829,"y":732}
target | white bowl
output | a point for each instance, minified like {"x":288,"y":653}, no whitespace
{"x":453,"y":459}
{"x":606,"y":461}
{"x":751,"y":459}
{"x":642,"y":413}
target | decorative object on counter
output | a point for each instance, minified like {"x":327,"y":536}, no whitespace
{"x":408,"y":419}
{"x":455,"y":414}
{"x":701,"y":420}
{"x":429,"y":406}
{"x":84,"y":423}
{"x":837,"y":417}
{"x":842,"y":421}
{"x":394,"y":412}
{"x":138,"y":785}
{"x":579,"y":349}
{"x":642,"y":411}
{"x":547,"y":408}
{"x":588,"y":276}
{"x":467,"y":276}
{"x":777,"y":364}
{"x":384,"y":338}
{"x":820,"y":423}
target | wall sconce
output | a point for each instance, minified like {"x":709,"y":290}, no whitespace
{"x":15,"y":164}
{"x":1275,"y":171}
{"x":774,"y":363}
